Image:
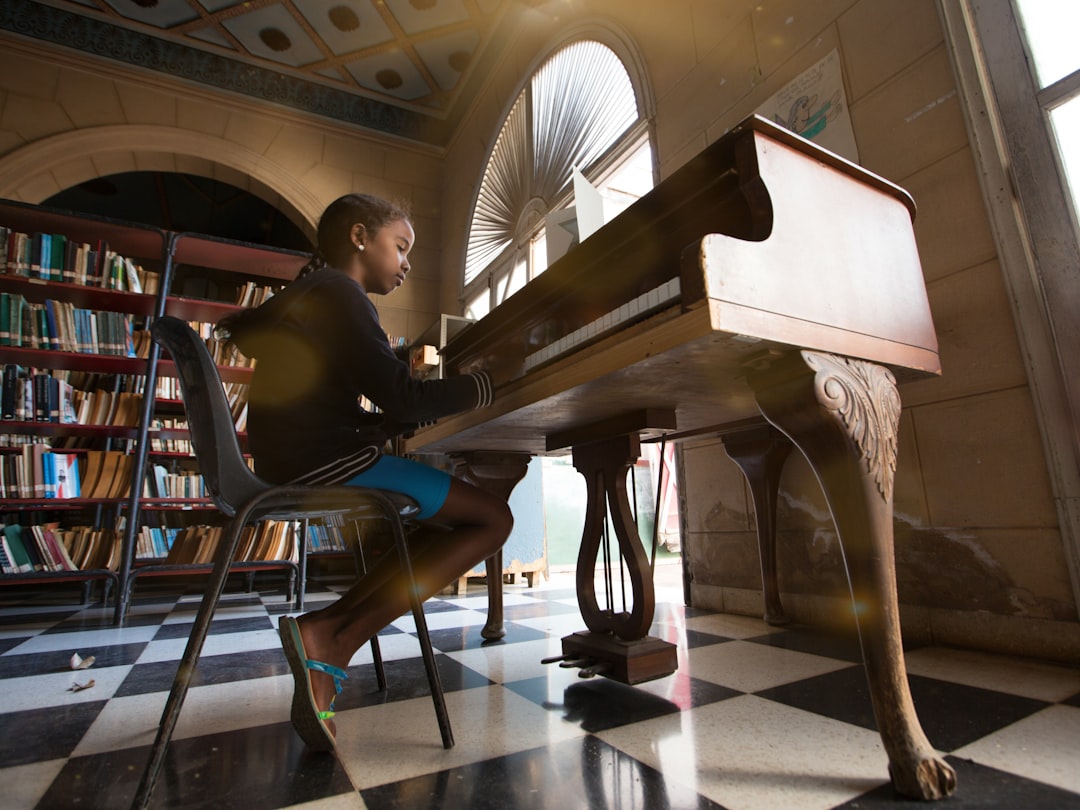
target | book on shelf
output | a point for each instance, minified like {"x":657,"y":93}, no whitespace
{"x":20,"y":558}
{"x":66,"y":467}
{"x":55,"y":257}
{"x":7,"y":566}
{"x":61,"y":326}
{"x":31,"y":395}
{"x":40,"y":472}
{"x":154,"y":542}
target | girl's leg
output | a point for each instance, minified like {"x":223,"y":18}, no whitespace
{"x":470,"y":527}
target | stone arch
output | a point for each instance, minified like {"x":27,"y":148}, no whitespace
{"x":40,"y":169}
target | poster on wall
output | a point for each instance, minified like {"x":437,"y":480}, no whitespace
{"x":814,"y":105}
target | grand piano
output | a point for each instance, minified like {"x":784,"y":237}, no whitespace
{"x":769,"y":292}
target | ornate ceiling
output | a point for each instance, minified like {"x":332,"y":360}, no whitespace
{"x":402,"y":67}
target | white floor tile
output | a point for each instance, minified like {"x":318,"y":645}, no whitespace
{"x":382,"y":744}
{"x":131,"y":721}
{"x":24,"y":785}
{"x":748,"y":753}
{"x":53,"y":689}
{"x":559,"y":625}
{"x":720,"y":624}
{"x":504,"y":663}
{"x":1016,"y":676}
{"x":344,"y":801}
{"x":172,"y":649}
{"x":1044,"y":746}
{"x":751,"y":667}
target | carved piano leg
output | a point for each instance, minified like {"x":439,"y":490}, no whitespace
{"x":843,"y":414}
{"x":760,"y":453}
{"x":497,"y":473}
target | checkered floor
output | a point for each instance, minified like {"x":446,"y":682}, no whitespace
{"x":755,"y":717}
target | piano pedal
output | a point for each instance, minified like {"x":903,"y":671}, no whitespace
{"x":593,"y":670}
{"x":573,"y":663}
{"x":554,"y":659}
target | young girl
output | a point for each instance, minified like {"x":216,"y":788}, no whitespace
{"x":319,"y":348}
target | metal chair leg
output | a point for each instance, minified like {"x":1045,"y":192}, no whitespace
{"x":225,"y":554}
{"x":361,"y":571}
{"x":422,"y":632}
{"x":301,"y":564}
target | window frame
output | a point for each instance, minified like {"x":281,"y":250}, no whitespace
{"x":1034,"y":224}
{"x":531,"y":223}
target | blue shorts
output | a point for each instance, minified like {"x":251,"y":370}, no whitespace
{"x":425,"y":485}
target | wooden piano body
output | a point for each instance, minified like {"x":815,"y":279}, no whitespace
{"x":767,"y":279}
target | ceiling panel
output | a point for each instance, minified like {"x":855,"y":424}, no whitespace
{"x":400,"y":66}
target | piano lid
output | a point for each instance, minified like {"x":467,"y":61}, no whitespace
{"x":718,"y":191}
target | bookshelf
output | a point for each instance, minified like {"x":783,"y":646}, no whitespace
{"x":191,"y":276}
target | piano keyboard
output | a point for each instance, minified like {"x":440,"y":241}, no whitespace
{"x":645,"y":304}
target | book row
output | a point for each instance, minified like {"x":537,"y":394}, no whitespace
{"x":40,"y":472}
{"x":47,"y":547}
{"x":268,"y":540}
{"x":326,"y":538}
{"x":35,"y":395}
{"x":62,"y":326}
{"x":37,"y":472}
{"x":164,"y":484}
{"x":54,"y":257}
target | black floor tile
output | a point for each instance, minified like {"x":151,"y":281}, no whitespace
{"x":217,"y":626}
{"x":34,"y":619}
{"x":583,"y":774}
{"x":110,"y":655}
{"x":454,"y":639}
{"x":81,"y":622}
{"x":595,"y":705}
{"x":252,"y":769}
{"x":978,"y":788}
{"x":211,"y":669}
{"x":36,"y":735}
{"x":951,"y":714}
{"x":805,"y":640}
{"x":11,"y":643}
{"x":693,"y":638}
{"x":442,"y":606}
{"x":405,"y":679}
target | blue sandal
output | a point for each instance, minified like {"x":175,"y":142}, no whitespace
{"x":307,"y":719}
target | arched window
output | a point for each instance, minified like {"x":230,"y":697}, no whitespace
{"x":578,"y":111}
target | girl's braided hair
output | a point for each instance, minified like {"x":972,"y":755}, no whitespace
{"x":334,"y":243}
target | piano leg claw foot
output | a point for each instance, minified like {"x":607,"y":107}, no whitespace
{"x":928,"y":778}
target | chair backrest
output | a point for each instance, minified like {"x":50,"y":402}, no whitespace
{"x":226,"y":475}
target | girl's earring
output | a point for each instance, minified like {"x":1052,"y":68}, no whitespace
{"x":359,"y":247}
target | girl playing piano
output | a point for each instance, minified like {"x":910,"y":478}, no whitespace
{"x":320,"y":348}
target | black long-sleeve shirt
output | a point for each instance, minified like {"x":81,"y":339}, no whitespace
{"x":319,"y":347}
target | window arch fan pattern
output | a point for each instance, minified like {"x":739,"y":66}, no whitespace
{"x":573,"y":110}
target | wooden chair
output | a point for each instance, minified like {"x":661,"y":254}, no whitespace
{"x":245,"y":498}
